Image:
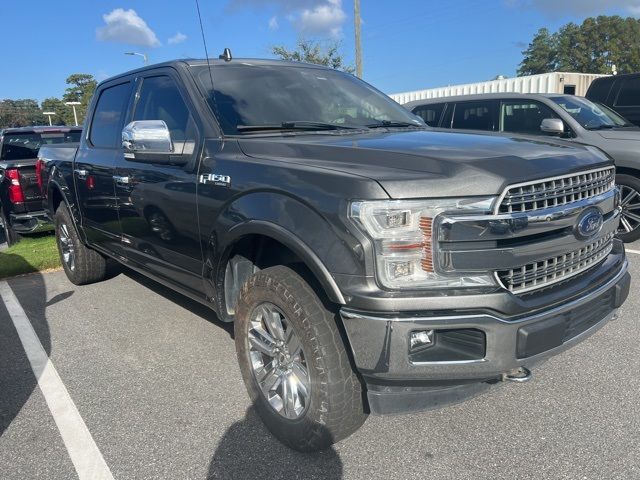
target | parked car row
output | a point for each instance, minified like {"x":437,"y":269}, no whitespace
{"x":370,"y":263}
{"x":575,"y":119}
{"x":21,"y":209}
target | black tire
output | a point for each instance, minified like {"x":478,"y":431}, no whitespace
{"x":335,"y":407}
{"x":629,"y":230}
{"x":9,"y":234}
{"x":88,"y":265}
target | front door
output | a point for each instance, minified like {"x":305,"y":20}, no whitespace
{"x":157,"y":201}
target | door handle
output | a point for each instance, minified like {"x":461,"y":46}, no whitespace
{"x":121,"y":180}
{"x":82,"y":173}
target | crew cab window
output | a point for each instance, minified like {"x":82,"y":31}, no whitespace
{"x":523,"y":116}
{"x":106,"y":126}
{"x":160,"y":99}
{"x":473,"y":115}
{"x":629,"y":93}
{"x":430,"y":113}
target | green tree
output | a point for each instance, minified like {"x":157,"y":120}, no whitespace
{"x":591,"y":47}
{"x":21,"y":113}
{"x":541,"y":54}
{"x":310,"y":51}
{"x":80,"y":89}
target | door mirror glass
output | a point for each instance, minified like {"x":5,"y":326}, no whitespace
{"x":147,"y":136}
{"x":554,"y":126}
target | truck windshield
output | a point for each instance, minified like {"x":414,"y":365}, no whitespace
{"x":256,"y":98}
{"x":592,"y":116}
{"x":25,"y":145}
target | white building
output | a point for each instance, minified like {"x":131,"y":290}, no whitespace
{"x":555,"y":82}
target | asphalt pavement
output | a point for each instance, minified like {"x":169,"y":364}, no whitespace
{"x":155,"y":380}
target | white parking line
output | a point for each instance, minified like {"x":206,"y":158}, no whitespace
{"x":84,"y":452}
{"x":628,"y":250}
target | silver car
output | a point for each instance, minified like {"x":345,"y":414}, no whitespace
{"x":559,"y":115}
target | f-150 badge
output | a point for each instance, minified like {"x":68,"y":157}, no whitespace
{"x":219,"y":180}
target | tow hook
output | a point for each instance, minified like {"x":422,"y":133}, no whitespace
{"x":518,"y":375}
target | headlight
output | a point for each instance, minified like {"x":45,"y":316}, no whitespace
{"x":404,"y":236}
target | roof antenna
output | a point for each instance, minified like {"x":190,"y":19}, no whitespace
{"x":204,"y":41}
{"x":226,"y":55}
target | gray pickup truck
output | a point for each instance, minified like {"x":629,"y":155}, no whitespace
{"x":370,"y":265}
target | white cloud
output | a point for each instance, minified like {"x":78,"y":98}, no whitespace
{"x":177,"y":38}
{"x":310,"y":17}
{"x":125,"y":26}
{"x":323,"y":19}
{"x":578,"y":7}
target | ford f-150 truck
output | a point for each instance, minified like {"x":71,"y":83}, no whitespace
{"x":20,"y":197}
{"x":370,"y":265}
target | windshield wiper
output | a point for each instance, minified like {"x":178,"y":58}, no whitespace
{"x":389,"y":123}
{"x":296,"y":125}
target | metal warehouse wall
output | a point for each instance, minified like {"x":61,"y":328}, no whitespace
{"x":543,"y":83}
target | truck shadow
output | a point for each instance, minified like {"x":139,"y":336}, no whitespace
{"x":185,"y":302}
{"x":17,"y":380}
{"x":247,"y":450}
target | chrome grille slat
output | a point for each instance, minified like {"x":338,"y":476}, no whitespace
{"x":552,"y":270}
{"x":555,"y":192}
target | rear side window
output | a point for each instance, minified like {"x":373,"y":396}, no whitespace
{"x":106,"y":125}
{"x":629,"y":93}
{"x":474,"y":115}
{"x":599,"y":90}
{"x":430,"y":113}
{"x":523,"y":116}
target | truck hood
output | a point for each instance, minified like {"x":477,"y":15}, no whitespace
{"x":423,"y":164}
{"x":621,"y":134}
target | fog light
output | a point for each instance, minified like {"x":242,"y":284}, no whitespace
{"x":421,"y":339}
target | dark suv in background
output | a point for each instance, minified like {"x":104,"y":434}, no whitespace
{"x":620,"y":92}
{"x":21,"y":209}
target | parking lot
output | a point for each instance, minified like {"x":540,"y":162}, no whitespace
{"x":155,"y":380}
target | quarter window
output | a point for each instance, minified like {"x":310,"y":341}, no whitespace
{"x":430,"y":113}
{"x":108,"y":116}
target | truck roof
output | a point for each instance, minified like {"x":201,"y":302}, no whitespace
{"x":216,"y":63}
{"x":481,"y":96}
{"x":40,"y":129}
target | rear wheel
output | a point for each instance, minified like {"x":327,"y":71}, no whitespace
{"x":9,"y":234}
{"x":294,"y":363}
{"x":81,"y":264}
{"x":629,"y":229}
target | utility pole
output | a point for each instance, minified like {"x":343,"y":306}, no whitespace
{"x":356,"y":19}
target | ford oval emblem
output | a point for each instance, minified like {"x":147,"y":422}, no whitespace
{"x":589,"y":223}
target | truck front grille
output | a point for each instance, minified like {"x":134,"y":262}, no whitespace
{"x":557,"y":191}
{"x":555,"y":269}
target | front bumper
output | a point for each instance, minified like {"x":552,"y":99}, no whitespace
{"x":32,"y":222}
{"x":396,"y":383}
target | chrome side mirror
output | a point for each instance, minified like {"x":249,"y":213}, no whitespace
{"x":554,"y":126}
{"x":147,"y":136}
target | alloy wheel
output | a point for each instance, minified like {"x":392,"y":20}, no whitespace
{"x":278,"y":361}
{"x":630,"y":203}
{"x":67,"y":248}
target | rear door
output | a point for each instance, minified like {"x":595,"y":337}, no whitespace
{"x":475,"y":115}
{"x":158,"y":200}
{"x":94,"y":167}
{"x":431,"y":113}
{"x":627,"y":102}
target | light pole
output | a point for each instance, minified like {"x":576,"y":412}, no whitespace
{"x":356,"y":19}
{"x":75,"y":115}
{"x":143,"y":55}
{"x":49,"y":114}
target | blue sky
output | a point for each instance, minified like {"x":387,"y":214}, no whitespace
{"x":407,"y":44}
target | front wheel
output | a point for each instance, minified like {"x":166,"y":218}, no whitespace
{"x":294,"y":363}
{"x":629,"y":229}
